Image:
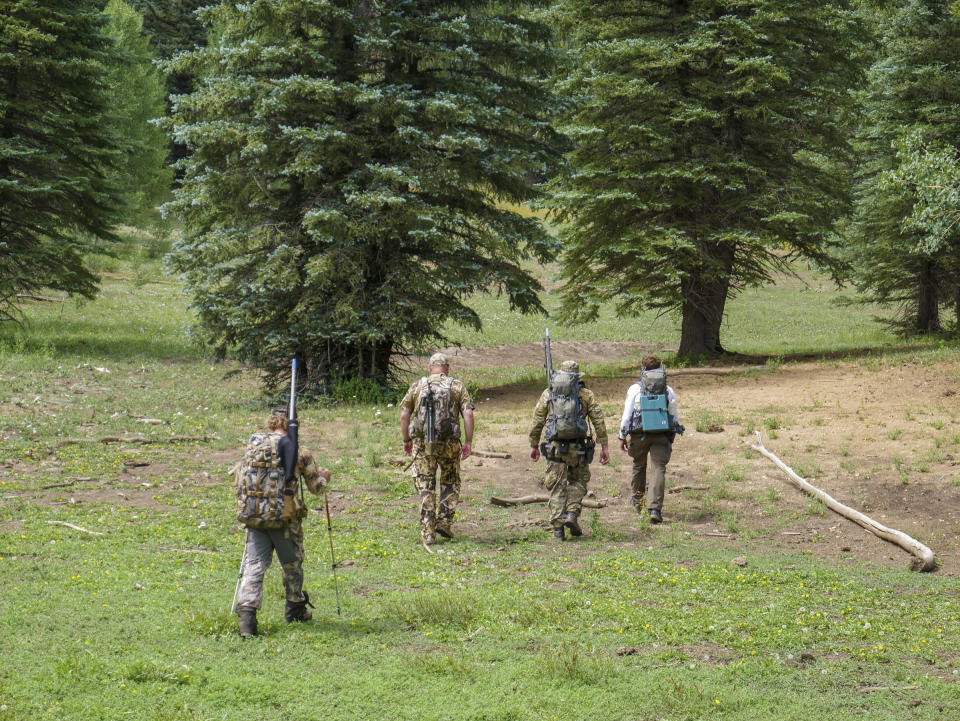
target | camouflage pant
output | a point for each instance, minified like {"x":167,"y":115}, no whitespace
{"x":446,"y":455}
{"x":258,"y":555}
{"x":567,"y":486}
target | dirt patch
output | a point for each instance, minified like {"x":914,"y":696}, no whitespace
{"x":531,"y":354}
{"x":837,"y":423}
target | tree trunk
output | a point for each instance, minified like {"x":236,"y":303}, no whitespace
{"x":928,"y":307}
{"x":956,"y":309}
{"x":704,"y":299}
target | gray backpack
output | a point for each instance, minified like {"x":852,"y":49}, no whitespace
{"x":567,"y":421}
{"x":445,"y":423}
{"x":650,"y":414}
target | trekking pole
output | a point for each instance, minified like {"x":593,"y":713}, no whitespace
{"x":333,"y":562}
{"x":243,"y":559}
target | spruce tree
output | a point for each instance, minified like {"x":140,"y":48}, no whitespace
{"x":912,"y":100}
{"x":351,"y":177}
{"x":709,"y":153}
{"x":57,"y":146}
{"x":137,"y":98}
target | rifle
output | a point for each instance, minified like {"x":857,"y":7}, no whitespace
{"x":430,"y":432}
{"x":547,"y":358}
{"x":293,"y":427}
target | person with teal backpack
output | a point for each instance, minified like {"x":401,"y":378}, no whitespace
{"x":648,"y":427}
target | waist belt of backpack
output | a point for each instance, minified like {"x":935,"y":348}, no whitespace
{"x":555,"y":449}
{"x":261,"y":464}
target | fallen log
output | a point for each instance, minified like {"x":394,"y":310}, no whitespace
{"x":59,"y":485}
{"x":711,"y":371}
{"x":540,"y":498}
{"x":39,"y":298}
{"x":490,"y":454}
{"x":923,"y":558}
{"x":77,"y":528}
{"x":125,"y":439}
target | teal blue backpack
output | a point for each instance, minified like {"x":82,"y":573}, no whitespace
{"x":650,"y":414}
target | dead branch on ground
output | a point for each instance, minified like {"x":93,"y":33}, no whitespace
{"x":77,"y":528}
{"x":490,"y":454}
{"x":923,"y":557}
{"x":540,"y":498}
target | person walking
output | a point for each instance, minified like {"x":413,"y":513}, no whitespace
{"x":435,"y":403}
{"x":560,"y":417}
{"x":269,"y":504}
{"x":656,"y":441}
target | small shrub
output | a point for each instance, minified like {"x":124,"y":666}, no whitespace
{"x":441,"y":665}
{"x":814,"y":506}
{"x":433,"y":608}
{"x":209,"y":622}
{"x":575,"y":663}
{"x":729,"y":520}
{"x":731,"y":473}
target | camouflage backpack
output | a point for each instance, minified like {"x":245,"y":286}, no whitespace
{"x":650,"y":414}
{"x":436,"y":395}
{"x":263,"y":499}
{"x":567,"y":421}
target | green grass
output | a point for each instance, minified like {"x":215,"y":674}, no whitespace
{"x":498,"y":624}
{"x":795,"y":316}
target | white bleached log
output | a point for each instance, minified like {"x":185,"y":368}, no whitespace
{"x":923,"y":558}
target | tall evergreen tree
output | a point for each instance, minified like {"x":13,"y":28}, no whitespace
{"x":709,"y":149}
{"x":137,"y":98}
{"x":174,"y":28}
{"x":351,"y":177}
{"x":913,"y":92}
{"x":56,"y":146}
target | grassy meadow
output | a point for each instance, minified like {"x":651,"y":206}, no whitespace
{"x":124,"y":613}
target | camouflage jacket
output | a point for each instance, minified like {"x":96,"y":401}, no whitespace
{"x":591,"y":407}
{"x":459,"y":397}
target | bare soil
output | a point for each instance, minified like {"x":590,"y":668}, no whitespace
{"x":883,"y":439}
{"x":531,"y":354}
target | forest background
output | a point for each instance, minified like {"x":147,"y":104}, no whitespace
{"x":357,"y":183}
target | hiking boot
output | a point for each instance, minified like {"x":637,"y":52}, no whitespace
{"x":639,"y":503}
{"x":571,"y":522}
{"x":655,"y":516}
{"x":298,"y":611}
{"x":427,"y":538}
{"x":444,"y":531}
{"x":558,"y":533}
{"x":247,"y":622}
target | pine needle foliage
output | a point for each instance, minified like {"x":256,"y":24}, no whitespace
{"x":911,"y":106}
{"x":137,"y":97}
{"x":351,"y":175}
{"x":57,"y":146}
{"x":710,"y":150}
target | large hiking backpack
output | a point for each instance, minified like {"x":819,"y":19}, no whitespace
{"x":263,"y":500}
{"x":567,"y":421}
{"x":436,"y":395}
{"x":650,"y":413}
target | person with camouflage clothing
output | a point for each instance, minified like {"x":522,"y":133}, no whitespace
{"x":450,"y":400}
{"x":568,"y":462}
{"x":287,"y":541}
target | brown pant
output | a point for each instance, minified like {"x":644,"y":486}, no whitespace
{"x":657,"y":445}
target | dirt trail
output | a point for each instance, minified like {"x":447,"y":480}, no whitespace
{"x":888,"y":453}
{"x":531,"y":354}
